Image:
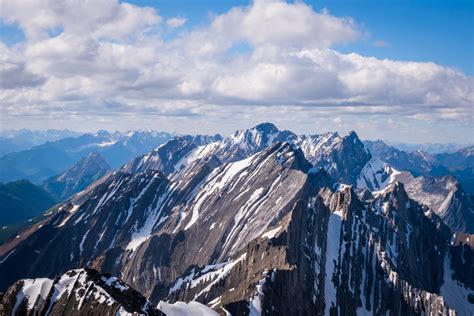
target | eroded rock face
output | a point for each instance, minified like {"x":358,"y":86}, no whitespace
{"x":443,"y":195}
{"x":343,"y":158}
{"x":233,"y":205}
{"x":334,"y":254}
{"x":76,"y":292}
{"x":462,"y":259}
{"x":127,"y":210}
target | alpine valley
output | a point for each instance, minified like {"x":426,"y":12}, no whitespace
{"x":263,"y":222}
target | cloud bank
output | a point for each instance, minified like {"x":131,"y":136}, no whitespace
{"x":270,"y":57}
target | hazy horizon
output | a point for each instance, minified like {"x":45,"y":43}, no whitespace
{"x":111,"y":131}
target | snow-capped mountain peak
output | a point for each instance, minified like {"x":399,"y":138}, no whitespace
{"x":377,"y":175}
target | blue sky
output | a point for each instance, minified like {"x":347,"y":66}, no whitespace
{"x":440,"y":31}
{"x":437,"y":31}
{"x":397,"y":70}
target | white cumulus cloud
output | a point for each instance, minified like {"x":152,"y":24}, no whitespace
{"x":176,"y":22}
{"x":276,"y":58}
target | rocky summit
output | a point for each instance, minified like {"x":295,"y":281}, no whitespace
{"x":263,"y":222}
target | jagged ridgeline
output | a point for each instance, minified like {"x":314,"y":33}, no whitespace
{"x":264,"y":222}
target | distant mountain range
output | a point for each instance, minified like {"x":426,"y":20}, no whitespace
{"x":261,"y":222}
{"x":23,"y":203}
{"x":459,"y":163}
{"x":46,"y":160}
{"x":430,"y":148}
{"x":18,"y":140}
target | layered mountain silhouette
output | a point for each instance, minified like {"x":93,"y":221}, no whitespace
{"x":263,"y":222}
{"x":23,"y":139}
{"x":51,"y":158}
{"x":459,"y":163}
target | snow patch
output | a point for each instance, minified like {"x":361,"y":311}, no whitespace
{"x":332,"y":255}
{"x":33,"y":290}
{"x":1,"y":261}
{"x":70,"y":213}
{"x":211,"y":273}
{"x":376,"y":175}
{"x":192,"y":308}
{"x":454,"y":293}
{"x":106,"y":144}
{"x":222,"y":176}
{"x":122,"y":312}
{"x":255,"y":304}
{"x":81,"y":245}
{"x":271,"y":233}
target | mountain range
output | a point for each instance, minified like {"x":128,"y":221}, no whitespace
{"x":263,"y":222}
{"x":459,"y":163}
{"x":23,"y":203}
{"x":49,"y":159}
{"x":431,"y":148}
{"x":18,"y":140}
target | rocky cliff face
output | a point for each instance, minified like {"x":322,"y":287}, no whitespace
{"x":76,"y":292}
{"x":342,"y":157}
{"x":264,"y":234}
{"x":335,"y":254}
{"x":443,"y":195}
{"x":416,"y":162}
{"x":419,"y":163}
{"x":163,"y":158}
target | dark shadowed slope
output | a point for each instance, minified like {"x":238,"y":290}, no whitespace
{"x":22,"y":200}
